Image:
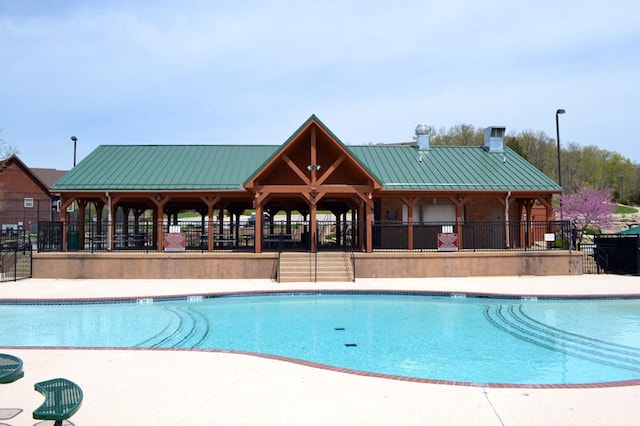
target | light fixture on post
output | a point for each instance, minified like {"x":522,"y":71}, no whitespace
{"x":315,"y":167}
{"x":75,"y":142}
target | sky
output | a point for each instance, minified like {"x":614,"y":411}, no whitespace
{"x":251,"y":72}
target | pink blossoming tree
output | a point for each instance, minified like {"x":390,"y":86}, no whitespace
{"x":589,"y":208}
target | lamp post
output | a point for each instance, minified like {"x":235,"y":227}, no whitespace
{"x":75,"y":142}
{"x":558,"y":112}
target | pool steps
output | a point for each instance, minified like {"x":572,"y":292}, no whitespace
{"x":514,"y":320}
{"x":300,"y":267}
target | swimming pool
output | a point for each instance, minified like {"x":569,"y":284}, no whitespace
{"x":445,"y":337}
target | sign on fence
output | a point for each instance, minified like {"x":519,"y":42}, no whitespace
{"x":175,"y":241}
{"x":447,"y":241}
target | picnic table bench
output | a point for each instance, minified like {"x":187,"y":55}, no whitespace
{"x":277,"y":240}
{"x":62,"y":400}
{"x":10,"y":368}
{"x":271,"y":238}
{"x":222,"y":240}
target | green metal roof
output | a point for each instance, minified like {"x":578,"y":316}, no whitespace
{"x":631,"y":231}
{"x":228,"y":167}
{"x":165,"y":167}
{"x":453,"y":168}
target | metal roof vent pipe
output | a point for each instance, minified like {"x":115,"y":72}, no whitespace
{"x":494,"y":138}
{"x":422,"y":136}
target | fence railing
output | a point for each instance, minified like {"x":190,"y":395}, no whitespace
{"x":296,"y":235}
{"x":16,"y":260}
{"x":474,"y":235}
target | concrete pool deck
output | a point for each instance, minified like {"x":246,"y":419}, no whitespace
{"x":165,"y":387}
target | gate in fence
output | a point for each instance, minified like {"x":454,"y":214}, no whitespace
{"x":16,"y":260}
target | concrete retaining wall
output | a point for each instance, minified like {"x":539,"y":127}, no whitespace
{"x":261,"y":266}
{"x":467,"y":264}
{"x":154,"y":265}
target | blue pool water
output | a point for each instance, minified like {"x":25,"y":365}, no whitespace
{"x":475,"y":339}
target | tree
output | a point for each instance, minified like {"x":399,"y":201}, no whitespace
{"x":588,"y":208}
{"x":6,"y":150}
{"x":581,"y":165}
{"x":539,"y":150}
{"x":459,"y":135}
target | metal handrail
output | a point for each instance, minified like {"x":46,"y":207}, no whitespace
{"x":277,"y":266}
{"x":315,"y":252}
{"x":353,"y":262}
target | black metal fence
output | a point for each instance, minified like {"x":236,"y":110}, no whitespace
{"x":618,"y":254}
{"x":95,"y":236}
{"x":16,"y":260}
{"x":475,"y":235}
{"x":295,"y":235}
{"x":589,"y":264}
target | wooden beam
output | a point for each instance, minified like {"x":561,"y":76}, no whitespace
{"x":332,"y":168}
{"x":409,"y":200}
{"x":312,"y":197}
{"x":260,"y":198}
{"x":296,"y":169}
{"x":366,"y":197}
{"x":458,"y":200}
{"x":160,"y":200}
{"x":210,"y":200}
{"x":314,"y":154}
{"x":325,"y":189}
{"x":314,"y":227}
{"x":258,"y":229}
{"x":368,"y":210}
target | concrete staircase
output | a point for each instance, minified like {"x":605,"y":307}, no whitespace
{"x":295,"y":267}
{"x":301,"y":267}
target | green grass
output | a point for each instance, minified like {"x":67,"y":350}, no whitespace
{"x":620,"y":209}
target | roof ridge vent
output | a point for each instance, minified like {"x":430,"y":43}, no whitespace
{"x":494,"y":138}
{"x":422,"y":136}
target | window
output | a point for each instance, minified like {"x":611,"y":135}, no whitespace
{"x":28,"y":203}
{"x":430,"y":212}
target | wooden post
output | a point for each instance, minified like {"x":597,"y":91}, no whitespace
{"x":258,"y":228}
{"x":160,"y":202}
{"x":369,"y":217}
{"x":410,"y":202}
{"x":314,"y":226}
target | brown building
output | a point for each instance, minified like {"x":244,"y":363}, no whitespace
{"x":310,"y":209}
{"x":25,"y":195}
{"x":310,"y":193}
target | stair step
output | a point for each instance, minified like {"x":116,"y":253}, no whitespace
{"x":296,"y":266}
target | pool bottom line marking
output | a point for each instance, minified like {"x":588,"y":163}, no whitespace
{"x":351,"y":345}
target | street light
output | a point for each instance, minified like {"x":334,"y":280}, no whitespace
{"x":75,"y":141}
{"x":558,"y":112}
